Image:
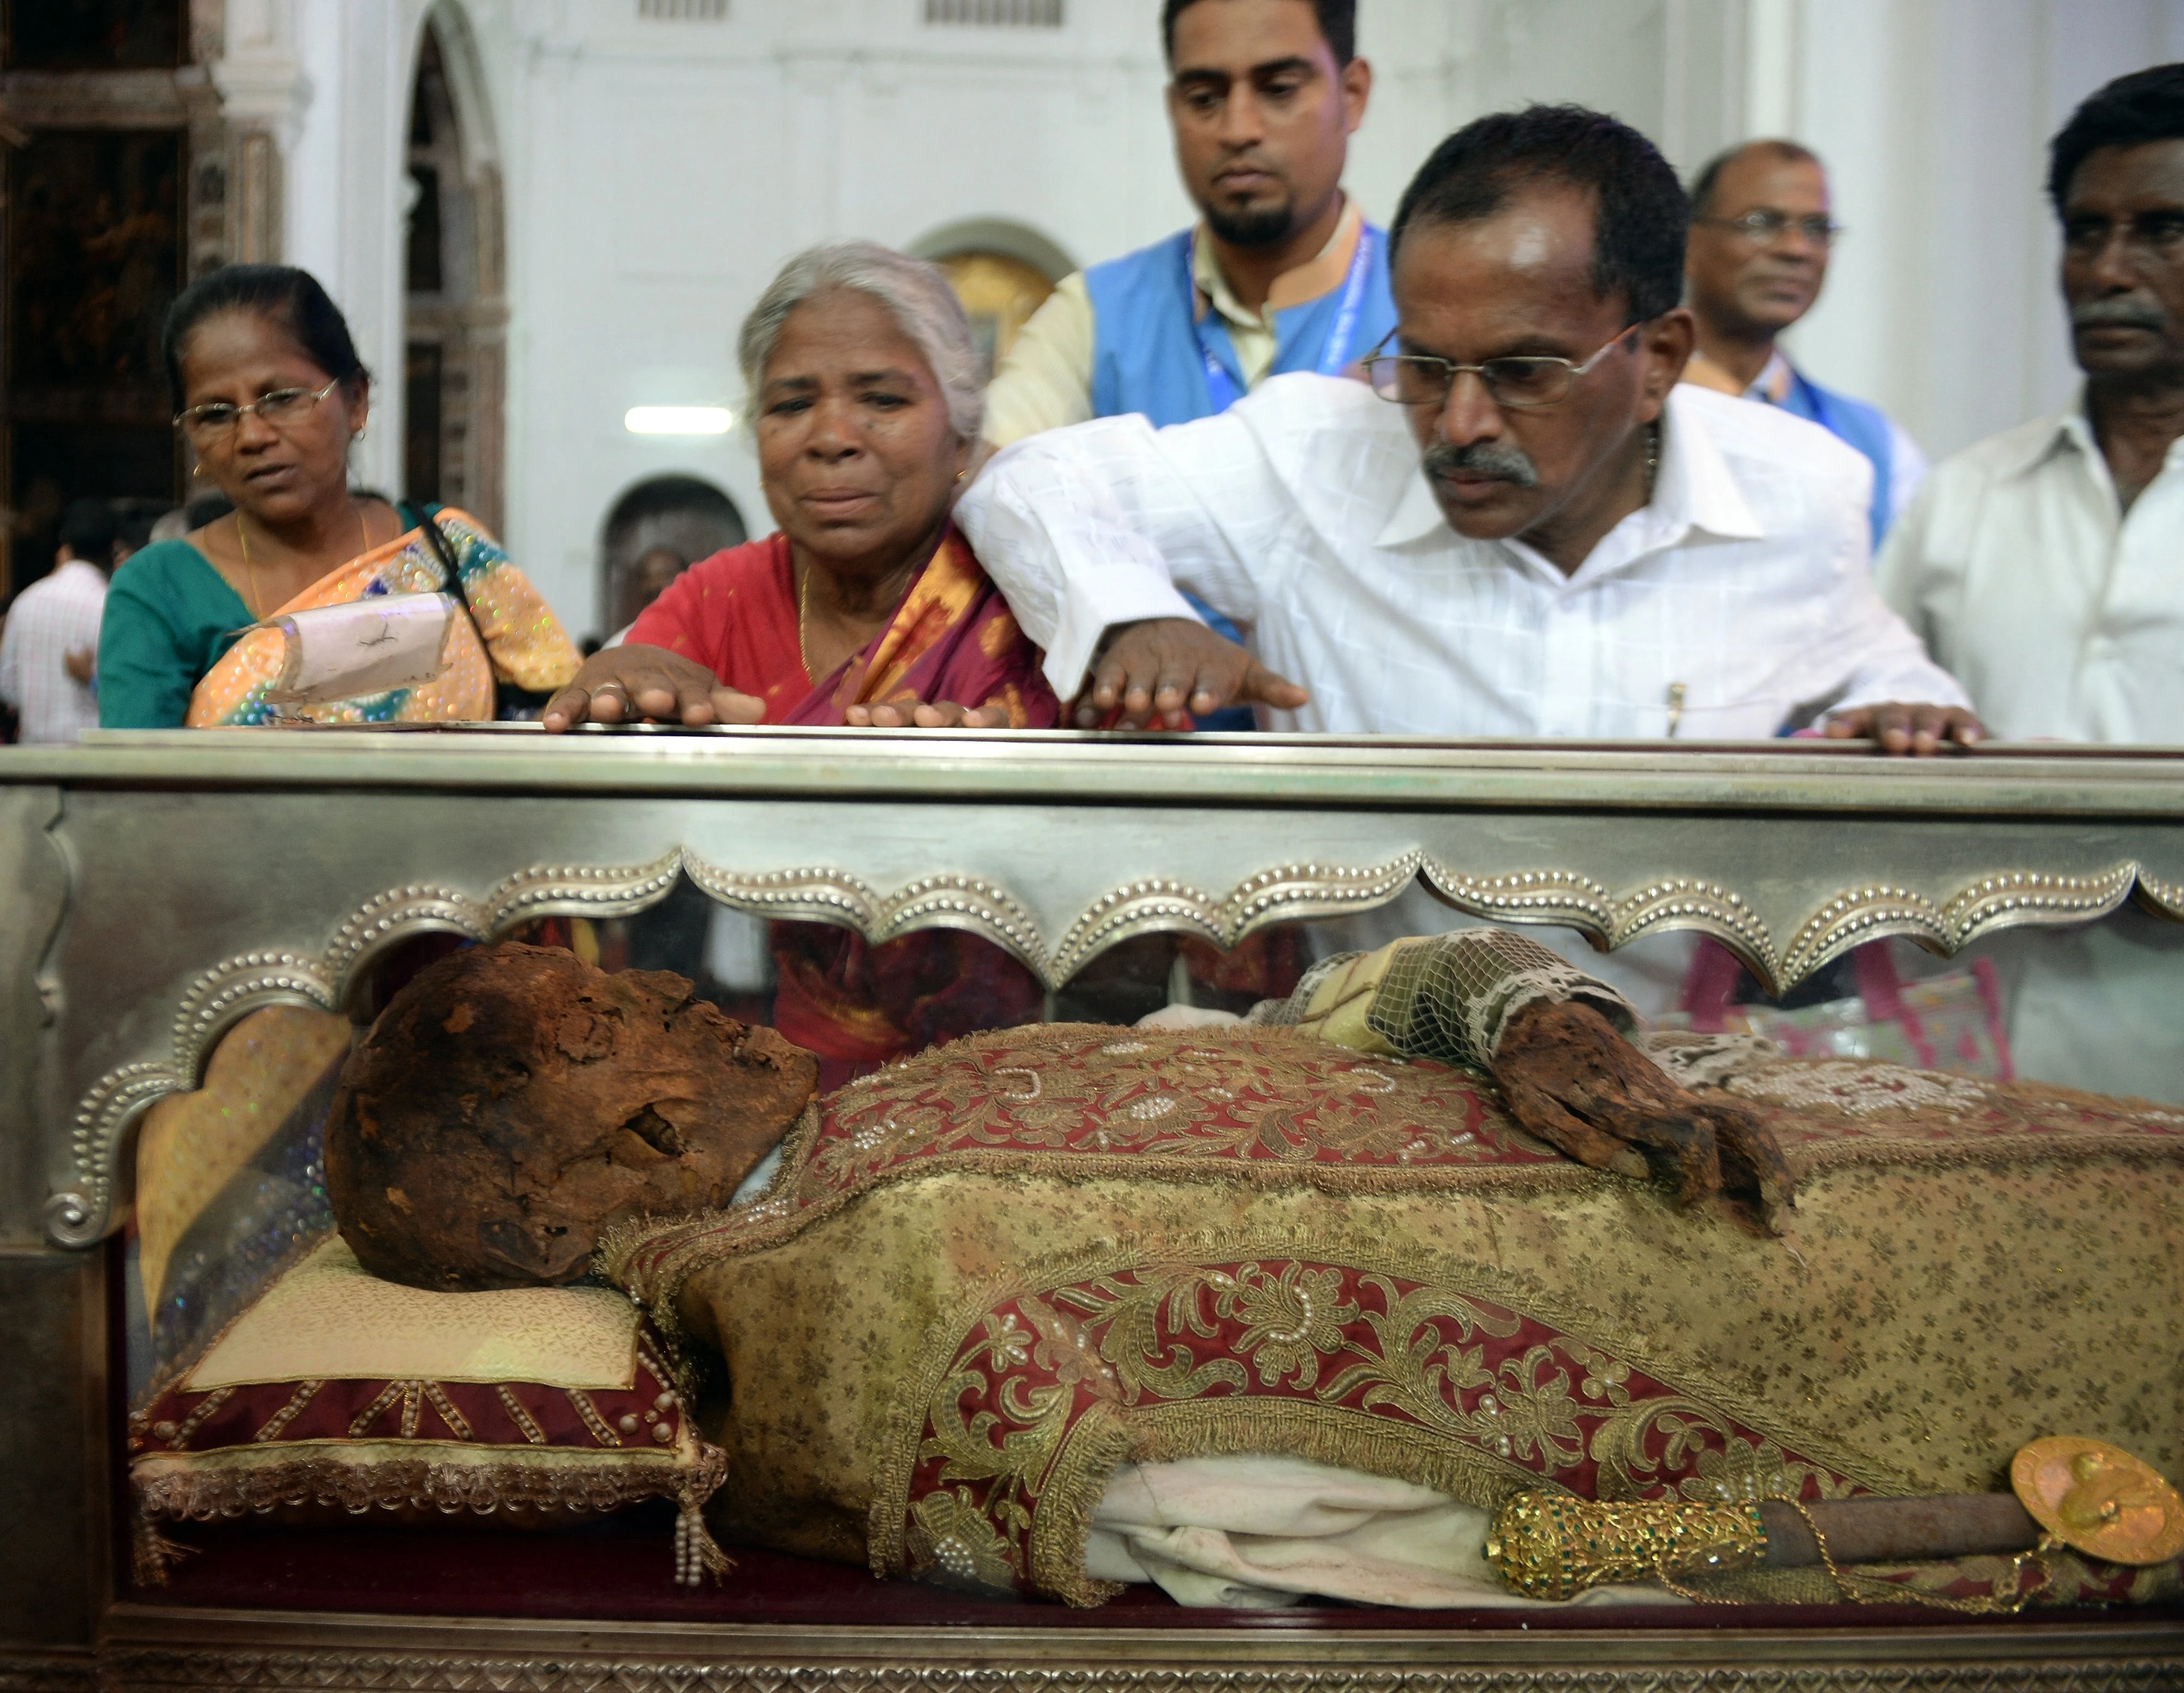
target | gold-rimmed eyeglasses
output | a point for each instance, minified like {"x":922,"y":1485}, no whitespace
{"x":1765,"y":226}
{"x":1519,"y":379}
{"x":216,"y":420}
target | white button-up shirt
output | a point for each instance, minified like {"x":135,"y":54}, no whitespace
{"x":53,"y":616}
{"x":1742,"y":590}
{"x":2062,"y":613}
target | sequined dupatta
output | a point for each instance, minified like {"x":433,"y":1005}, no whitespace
{"x":522,"y":643}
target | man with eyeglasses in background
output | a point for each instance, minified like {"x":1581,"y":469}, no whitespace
{"x":1762,"y":229}
{"x":2045,"y":566}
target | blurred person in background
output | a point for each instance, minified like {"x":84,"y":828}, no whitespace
{"x":651,"y":535}
{"x":1762,"y":229}
{"x":650,"y":575}
{"x":270,"y":394}
{"x":135,"y":523}
{"x":2045,"y":565}
{"x":50,"y":646}
{"x":1281,"y":273}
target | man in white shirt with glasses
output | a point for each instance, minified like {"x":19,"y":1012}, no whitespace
{"x":1522,"y":527}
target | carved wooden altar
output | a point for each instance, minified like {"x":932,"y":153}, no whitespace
{"x":165,"y":885}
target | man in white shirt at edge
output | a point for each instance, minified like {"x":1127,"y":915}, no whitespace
{"x":1551,"y":538}
{"x":2045,"y":566}
{"x":49,"y":651}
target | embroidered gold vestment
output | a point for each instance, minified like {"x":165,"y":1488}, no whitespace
{"x":984,"y":1277}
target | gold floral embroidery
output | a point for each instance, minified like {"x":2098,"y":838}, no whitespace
{"x":951,"y":1542}
{"x":1425,"y":1365}
{"x":1290,"y":1320}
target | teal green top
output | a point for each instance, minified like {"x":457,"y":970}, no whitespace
{"x":170,"y":618}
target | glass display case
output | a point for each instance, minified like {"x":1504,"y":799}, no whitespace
{"x":2014,"y":913}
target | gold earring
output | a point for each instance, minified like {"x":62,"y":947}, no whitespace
{"x":960,"y":475}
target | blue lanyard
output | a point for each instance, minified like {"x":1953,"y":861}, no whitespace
{"x":1221,"y":386}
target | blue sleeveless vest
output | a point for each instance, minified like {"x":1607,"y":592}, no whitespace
{"x":1854,"y":423}
{"x":1150,"y":354}
{"x":1147,"y":353}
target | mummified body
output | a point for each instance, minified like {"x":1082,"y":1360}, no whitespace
{"x":512,"y":1103}
{"x":987,"y":1277}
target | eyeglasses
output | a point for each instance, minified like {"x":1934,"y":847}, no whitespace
{"x":1518,"y":381}
{"x":216,"y":420}
{"x":1763,"y":228}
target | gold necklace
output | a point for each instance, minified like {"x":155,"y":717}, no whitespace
{"x":803,"y":575}
{"x":250,"y":570}
{"x":362,"y":528}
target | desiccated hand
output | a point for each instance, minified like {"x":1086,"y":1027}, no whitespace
{"x":1570,"y":1079}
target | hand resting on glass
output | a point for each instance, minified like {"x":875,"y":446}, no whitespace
{"x":629,"y":684}
{"x":1902,"y":727}
{"x":1157,"y":671}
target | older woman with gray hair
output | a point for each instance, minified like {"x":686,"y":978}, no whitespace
{"x":868,"y":607}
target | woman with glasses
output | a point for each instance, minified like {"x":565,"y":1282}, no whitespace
{"x":269,"y":394}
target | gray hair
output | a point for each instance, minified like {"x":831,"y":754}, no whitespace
{"x":917,"y":294}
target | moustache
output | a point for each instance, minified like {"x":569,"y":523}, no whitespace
{"x":1495,"y":458}
{"x":2119,"y":314}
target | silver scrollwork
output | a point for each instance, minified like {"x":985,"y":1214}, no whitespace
{"x":229,"y":992}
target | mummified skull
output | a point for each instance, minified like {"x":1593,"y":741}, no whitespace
{"x":512,"y":1103}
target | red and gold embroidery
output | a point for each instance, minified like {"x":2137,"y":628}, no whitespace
{"x":1346,"y":1364}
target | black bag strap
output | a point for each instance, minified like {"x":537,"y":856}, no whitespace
{"x":428,"y":524}
{"x":509,"y":699}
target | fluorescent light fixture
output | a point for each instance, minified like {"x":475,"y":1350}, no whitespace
{"x":678,"y":419}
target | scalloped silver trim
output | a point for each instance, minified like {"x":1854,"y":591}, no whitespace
{"x":2007,"y":899}
{"x":214,"y":1000}
{"x":231,"y":991}
{"x":819,"y":893}
{"x":1286,"y":894}
{"x":1530,"y":896}
{"x":2161,"y":896}
{"x":577,"y":890}
{"x":394,"y":916}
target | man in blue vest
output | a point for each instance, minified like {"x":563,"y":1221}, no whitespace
{"x":1282,"y":273}
{"x":1761,"y":233}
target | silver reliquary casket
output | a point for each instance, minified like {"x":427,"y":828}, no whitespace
{"x":200,"y":924}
